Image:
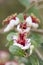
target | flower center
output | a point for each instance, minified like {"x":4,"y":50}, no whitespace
{"x":23,"y":25}
{"x":21,"y":39}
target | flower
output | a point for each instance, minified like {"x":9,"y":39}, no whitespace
{"x":23,"y":27}
{"x":35,"y":21}
{"x":21,"y":41}
{"x":12,"y":23}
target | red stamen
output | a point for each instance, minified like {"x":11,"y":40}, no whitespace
{"x":22,"y":35}
{"x":21,"y":39}
{"x":23,"y":25}
{"x":14,"y":18}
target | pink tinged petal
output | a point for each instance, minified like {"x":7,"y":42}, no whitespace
{"x":35,"y":25}
{"x":29,"y":20}
{"x":15,"y":22}
{"x":27,"y":46}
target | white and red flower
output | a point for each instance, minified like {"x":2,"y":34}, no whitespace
{"x":35,"y":22}
{"x":32,"y":21}
{"x":23,"y":42}
{"x":14,"y":21}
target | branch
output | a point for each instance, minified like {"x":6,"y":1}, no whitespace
{"x":39,"y":54}
{"x":40,"y":31}
{"x":2,"y":31}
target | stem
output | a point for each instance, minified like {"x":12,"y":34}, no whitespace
{"x":40,"y":31}
{"x":2,"y":31}
{"x":39,"y":54}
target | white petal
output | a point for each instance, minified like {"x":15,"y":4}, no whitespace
{"x":17,"y":44}
{"x":10,"y":26}
{"x":27,"y":45}
{"x":35,"y":25}
{"x":7,"y":28}
{"x":29,"y":20}
{"x":19,"y":29}
{"x":17,"y":21}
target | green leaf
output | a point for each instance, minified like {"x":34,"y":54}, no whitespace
{"x":15,"y":50}
{"x":34,"y":60}
{"x":20,"y":16}
{"x":9,"y":36}
{"x":34,"y":43}
{"x":9,"y":43}
{"x":26,"y":3}
{"x":37,"y":37}
{"x":34,"y":10}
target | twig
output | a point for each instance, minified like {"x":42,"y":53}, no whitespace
{"x":39,"y":54}
{"x":40,"y":31}
{"x":2,"y":31}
